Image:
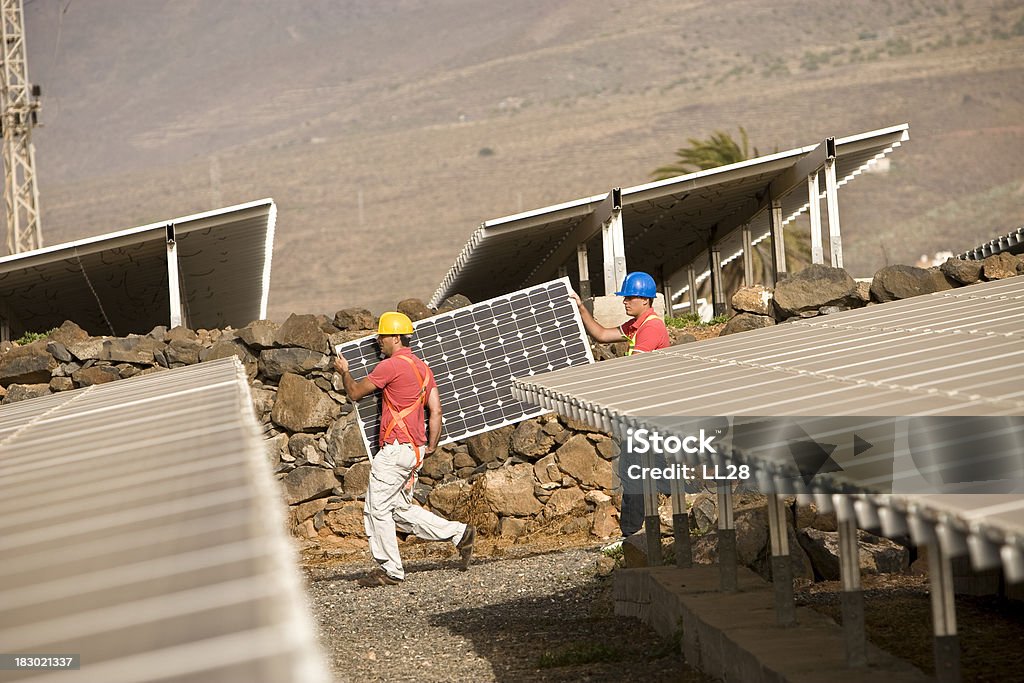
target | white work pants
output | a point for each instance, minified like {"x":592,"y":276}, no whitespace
{"x":389,"y":506}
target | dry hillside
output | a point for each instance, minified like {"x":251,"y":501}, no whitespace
{"x":371,"y":123}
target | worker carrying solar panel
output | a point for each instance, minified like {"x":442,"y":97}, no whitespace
{"x":407,"y":386}
{"x":645,"y":331}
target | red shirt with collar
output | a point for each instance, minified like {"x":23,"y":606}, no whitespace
{"x":650,"y":335}
{"x":397,"y":380}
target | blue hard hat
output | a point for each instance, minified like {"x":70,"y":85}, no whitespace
{"x":638,"y":284}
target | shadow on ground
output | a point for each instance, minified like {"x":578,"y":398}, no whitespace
{"x":572,"y":635}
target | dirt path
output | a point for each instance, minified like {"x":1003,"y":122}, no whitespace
{"x":540,"y":617}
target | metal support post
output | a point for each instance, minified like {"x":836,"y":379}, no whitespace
{"x":748,"y":256}
{"x":652,"y":520}
{"x":852,"y":596}
{"x":726,"y":539}
{"x":563,"y":271}
{"x":584,"y":270}
{"x":681,"y":526}
{"x":666,"y":290}
{"x":782,"y":564}
{"x":614,"y":252}
{"x":717,"y":286}
{"x":835,"y":240}
{"x":817,"y":255}
{"x":947,"y":642}
{"x":173,"y":291}
{"x":691,"y":281}
{"x":778,"y":241}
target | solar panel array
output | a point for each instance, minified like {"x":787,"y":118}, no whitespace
{"x":1012,"y":242}
{"x":141,"y":528}
{"x":664,"y":222}
{"x":474,"y":352}
{"x":117,"y":283}
{"x":954,"y":353}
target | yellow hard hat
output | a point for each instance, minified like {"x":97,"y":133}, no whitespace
{"x":394,"y":322}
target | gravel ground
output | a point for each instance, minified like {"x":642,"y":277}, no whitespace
{"x":517,"y":615}
{"x":898,"y":619}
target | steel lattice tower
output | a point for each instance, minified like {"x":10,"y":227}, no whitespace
{"x":19,"y":107}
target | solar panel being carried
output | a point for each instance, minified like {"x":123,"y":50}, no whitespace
{"x":474,"y":352}
{"x":141,"y":529}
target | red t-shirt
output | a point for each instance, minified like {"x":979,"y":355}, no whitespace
{"x":650,"y":335}
{"x":396,"y":378}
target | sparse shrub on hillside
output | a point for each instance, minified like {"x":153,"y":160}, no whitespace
{"x":485,"y":152}
{"x":811,"y":60}
{"x":897,"y":47}
{"x":775,"y":67}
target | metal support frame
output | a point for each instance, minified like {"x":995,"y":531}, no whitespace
{"x":947,"y":642}
{"x":589,"y":226}
{"x":717,"y":286}
{"x":583,"y":264}
{"x":852,"y":596}
{"x":666,"y":290}
{"x":652,"y":520}
{"x":681,"y":526}
{"x":691,"y":281}
{"x":173,"y":290}
{"x":726,"y":539}
{"x":782,"y":564}
{"x":835,"y":240}
{"x":748,"y":256}
{"x":817,"y":253}
{"x":614,"y":252}
{"x":779,"y":271}
{"x":563,"y":271}
{"x":19,"y":111}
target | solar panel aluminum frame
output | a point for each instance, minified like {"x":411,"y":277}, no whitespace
{"x":363,"y":356}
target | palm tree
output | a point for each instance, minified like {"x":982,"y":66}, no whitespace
{"x":718,"y":150}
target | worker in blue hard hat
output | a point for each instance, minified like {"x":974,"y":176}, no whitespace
{"x":645,"y":330}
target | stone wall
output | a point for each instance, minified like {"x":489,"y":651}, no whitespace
{"x":547,"y":473}
{"x":821,"y":290}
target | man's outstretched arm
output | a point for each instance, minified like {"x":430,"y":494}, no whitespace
{"x":353,"y":389}
{"x":599,"y":332}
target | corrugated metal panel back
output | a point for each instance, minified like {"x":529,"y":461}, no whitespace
{"x":954,"y":353}
{"x":502,"y":255}
{"x":140,"y":526}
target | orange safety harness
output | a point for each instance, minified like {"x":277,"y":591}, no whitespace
{"x":398,"y":416}
{"x":636,"y":331}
